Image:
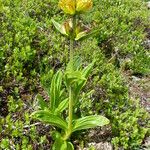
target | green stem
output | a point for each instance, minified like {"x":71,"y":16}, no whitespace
{"x":70,"y":110}
{"x":71,"y":96}
{"x":72,"y":41}
{"x":71,"y":52}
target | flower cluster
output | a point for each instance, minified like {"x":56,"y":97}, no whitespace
{"x":75,"y":6}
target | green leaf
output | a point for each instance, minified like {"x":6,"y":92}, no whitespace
{"x":70,"y":146}
{"x":85,"y":73}
{"x":55,"y":90}
{"x":80,"y":35}
{"x":89,"y":122}
{"x":76,"y":64}
{"x":42,"y":104}
{"x":73,"y":77}
{"x":59,"y":144}
{"x":87,"y":70}
{"x":62,"y":106}
{"x":47,"y":117}
{"x":84,"y":35}
{"x":55,"y":135}
{"x":59,"y":27}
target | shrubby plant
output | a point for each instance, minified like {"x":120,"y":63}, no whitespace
{"x":122,"y":32}
{"x":111,"y":97}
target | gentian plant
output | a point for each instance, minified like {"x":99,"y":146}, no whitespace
{"x":74,"y":79}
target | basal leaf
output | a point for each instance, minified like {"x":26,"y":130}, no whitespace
{"x":47,"y":117}
{"x":59,"y":144}
{"x":70,"y":146}
{"x":89,"y":122}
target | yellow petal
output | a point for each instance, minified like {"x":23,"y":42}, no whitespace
{"x":83,"y":5}
{"x":68,"y":6}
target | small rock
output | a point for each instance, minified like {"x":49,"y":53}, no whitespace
{"x":147,"y":44}
{"x":134,"y":78}
{"x":147,"y":143}
{"x":148,"y":5}
{"x":102,"y":146}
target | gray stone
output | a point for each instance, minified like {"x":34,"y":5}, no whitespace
{"x":99,"y":146}
{"x":148,"y":5}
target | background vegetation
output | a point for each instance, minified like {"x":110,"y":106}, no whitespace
{"x":31,"y":50}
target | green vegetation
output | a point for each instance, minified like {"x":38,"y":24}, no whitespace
{"x":34,"y":56}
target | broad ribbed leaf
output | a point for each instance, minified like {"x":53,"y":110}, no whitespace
{"x":47,"y":117}
{"x":76,"y":64}
{"x":55,"y":90}
{"x":59,"y":27}
{"x":73,"y":77}
{"x":62,"y":106}
{"x":89,"y":122}
{"x":87,"y":70}
{"x":85,"y":73}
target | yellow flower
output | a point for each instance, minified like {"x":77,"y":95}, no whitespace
{"x":83,"y":5}
{"x":73,"y":6}
{"x":68,"y":6}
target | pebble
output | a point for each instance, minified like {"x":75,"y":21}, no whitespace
{"x":148,"y":5}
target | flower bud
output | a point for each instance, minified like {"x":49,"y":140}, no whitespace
{"x":68,"y":6}
{"x":68,"y":27}
{"x":83,"y":5}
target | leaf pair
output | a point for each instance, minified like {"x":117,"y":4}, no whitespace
{"x":66,"y":29}
{"x":75,"y":77}
{"x":57,"y":103}
{"x":78,"y":124}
